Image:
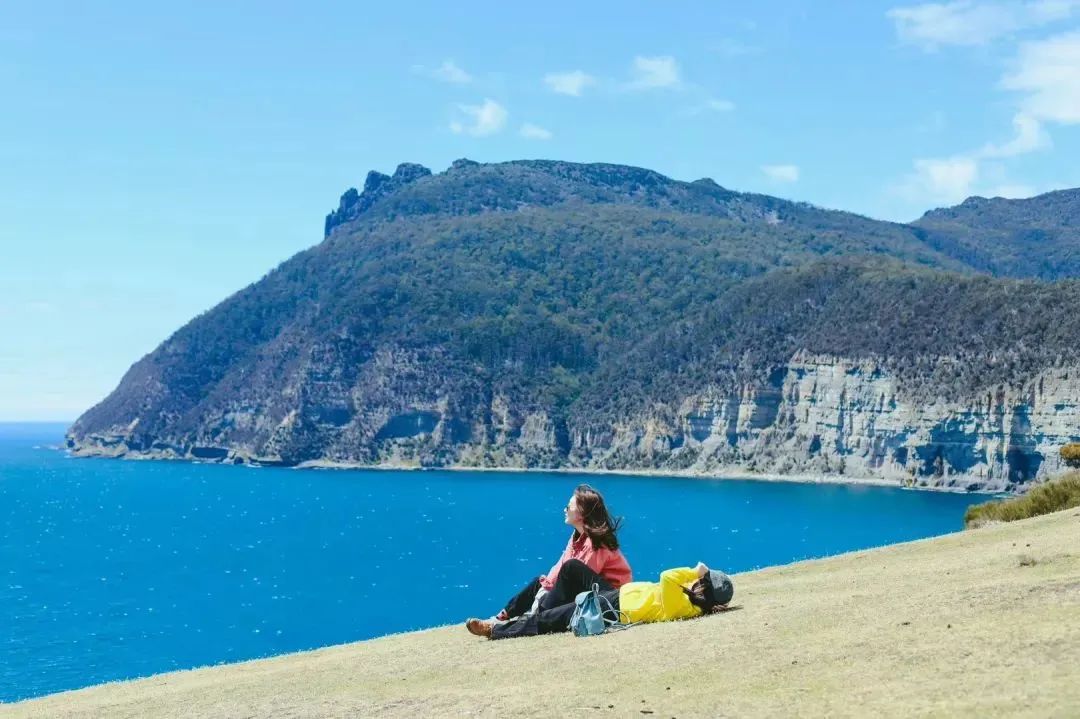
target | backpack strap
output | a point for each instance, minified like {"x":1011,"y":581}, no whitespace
{"x":615,"y":619}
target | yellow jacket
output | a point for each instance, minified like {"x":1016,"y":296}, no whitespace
{"x":659,"y":601}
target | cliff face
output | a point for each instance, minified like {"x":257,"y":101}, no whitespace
{"x":847,"y":417}
{"x":549,"y":314}
{"x":816,"y":415}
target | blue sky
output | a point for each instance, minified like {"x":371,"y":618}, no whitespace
{"x":155,"y":158}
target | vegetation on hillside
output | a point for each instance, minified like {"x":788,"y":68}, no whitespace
{"x":1053,"y":496}
{"x":943,"y":335}
{"x":1035,"y":237}
{"x":1070,"y":454}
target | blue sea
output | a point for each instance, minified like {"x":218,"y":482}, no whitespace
{"x":114,"y":569}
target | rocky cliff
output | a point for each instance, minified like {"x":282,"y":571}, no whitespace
{"x":541,"y":314}
{"x":818,"y":415}
{"x":830,"y":415}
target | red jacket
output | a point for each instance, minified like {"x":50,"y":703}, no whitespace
{"x":608,"y":563}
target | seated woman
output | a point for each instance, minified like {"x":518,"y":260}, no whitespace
{"x":593,"y":543}
{"x":680,"y":594}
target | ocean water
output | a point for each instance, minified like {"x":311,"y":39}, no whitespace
{"x":114,"y":569}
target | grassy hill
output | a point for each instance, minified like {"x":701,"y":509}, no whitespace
{"x":979,"y":623}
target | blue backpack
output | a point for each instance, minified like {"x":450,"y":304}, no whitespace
{"x":591,"y":617}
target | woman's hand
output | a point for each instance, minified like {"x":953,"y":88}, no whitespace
{"x":701,"y":569}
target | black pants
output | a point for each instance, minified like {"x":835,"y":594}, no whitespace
{"x":523,"y":600}
{"x":557,"y":606}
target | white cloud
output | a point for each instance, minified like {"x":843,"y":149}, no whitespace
{"x":1048,"y":71}
{"x":969,"y":23}
{"x":654,"y":72}
{"x":1045,"y":73}
{"x":709,"y":105}
{"x":720,"y":105}
{"x":535,"y":132}
{"x":1030,"y":136}
{"x":484,"y":119}
{"x":449,"y":71}
{"x":569,"y":83}
{"x":944,"y":180}
{"x":781,"y":173}
{"x":948,"y":180}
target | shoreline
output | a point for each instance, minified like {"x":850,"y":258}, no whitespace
{"x":736,"y":474}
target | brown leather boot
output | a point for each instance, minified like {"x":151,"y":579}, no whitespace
{"x":479,"y":627}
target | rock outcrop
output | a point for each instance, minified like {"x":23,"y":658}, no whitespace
{"x":376,"y":185}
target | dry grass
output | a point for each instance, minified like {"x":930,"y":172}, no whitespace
{"x":979,"y":623}
{"x":1054,"y":496}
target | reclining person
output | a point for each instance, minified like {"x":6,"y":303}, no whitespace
{"x":681,"y":593}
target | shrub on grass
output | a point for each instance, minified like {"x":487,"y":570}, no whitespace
{"x":1070,"y":454}
{"x":1053,"y":496}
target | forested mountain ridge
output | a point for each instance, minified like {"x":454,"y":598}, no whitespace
{"x":1036,"y":237}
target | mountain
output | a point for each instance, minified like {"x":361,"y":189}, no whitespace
{"x":541,"y":313}
{"x":1037,"y":237}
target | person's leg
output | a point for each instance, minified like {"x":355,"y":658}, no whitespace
{"x":547,"y":621}
{"x":574,"y":577}
{"x":520,"y":627}
{"x":556,"y":619}
{"x":521,"y":602}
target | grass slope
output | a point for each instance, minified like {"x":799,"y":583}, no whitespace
{"x":978,"y":623}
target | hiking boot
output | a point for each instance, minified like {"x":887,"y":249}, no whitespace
{"x":479,"y":627}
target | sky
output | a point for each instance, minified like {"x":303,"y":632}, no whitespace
{"x":157,"y":157}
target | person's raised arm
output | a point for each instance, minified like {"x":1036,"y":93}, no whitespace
{"x":674,"y":600}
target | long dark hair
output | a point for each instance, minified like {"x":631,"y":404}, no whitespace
{"x":599,"y":526}
{"x":699,"y":597}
